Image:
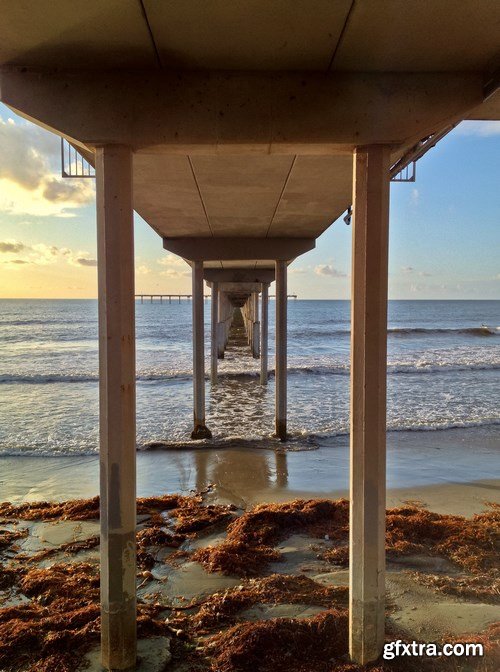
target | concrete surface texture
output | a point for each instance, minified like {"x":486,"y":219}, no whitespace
{"x":244,"y":115}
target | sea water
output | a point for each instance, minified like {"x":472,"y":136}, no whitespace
{"x":443,"y":373}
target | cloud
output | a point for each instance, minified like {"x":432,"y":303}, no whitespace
{"x":422,"y":287}
{"x":410,"y":270}
{"x":414,"y":196}
{"x":143,"y":270}
{"x":483,"y":129}
{"x":11,"y":247}
{"x":71,"y":191}
{"x":81,"y":261}
{"x":16,"y":253}
{"x":329,"y":270}
{"x":174,"y":267}
{"x":297,"y":271}
{"x":26,"y":148}
{"x":29,"y":180}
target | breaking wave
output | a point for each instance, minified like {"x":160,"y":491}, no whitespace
{"x":483,"y":330}
{"x":418,"y":367}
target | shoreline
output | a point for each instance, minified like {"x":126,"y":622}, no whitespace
{"x":450,"y":472}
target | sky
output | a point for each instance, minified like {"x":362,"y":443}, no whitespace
{"x":444,"y":228}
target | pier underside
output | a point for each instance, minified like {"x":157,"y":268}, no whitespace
{"x":240,"y":132}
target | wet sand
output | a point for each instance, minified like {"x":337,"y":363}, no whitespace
{"x":446,"y":472}
{"x":450,"y":472}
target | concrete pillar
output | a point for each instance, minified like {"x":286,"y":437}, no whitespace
{"x":368,"y":401}
{"x":200,"y":430}
{"x":255,"y":326}
{"x":264,"y":333}
{"x":214,"y":313}
{"x":281,"y":348}
{"x":220,"y":327}
{"x":115,"y":234}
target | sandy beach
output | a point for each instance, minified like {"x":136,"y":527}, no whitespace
{"x":204,"y":580}
{"x":451,"y":472}
{"x":430,"y":595}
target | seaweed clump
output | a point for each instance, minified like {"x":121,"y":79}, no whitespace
{"x":472,"y":544}
{"x":9,"y":537}
{"x":223,"y":608}
{"x":320,"y":644}
{"x":62,"y":620}
{"x":282,"y":645}
{"x":77,"y":509}
{"x":251,"y":538}
{"x":483,"y":588}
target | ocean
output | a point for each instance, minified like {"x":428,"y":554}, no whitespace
{"x":443,"y":373}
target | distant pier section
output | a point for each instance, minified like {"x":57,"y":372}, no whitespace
{"x":168,"y":297}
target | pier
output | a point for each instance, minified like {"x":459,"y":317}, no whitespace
{"x":168,"y":297}
{"x":240,"y":153}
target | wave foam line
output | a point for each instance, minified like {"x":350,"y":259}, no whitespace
{"x":325,"y":370}
{"x":299,"y":441}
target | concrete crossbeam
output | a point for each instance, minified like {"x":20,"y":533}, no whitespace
{"x":211,"y":112}
{"x":220,"y":249}
{"x":238,"y":275}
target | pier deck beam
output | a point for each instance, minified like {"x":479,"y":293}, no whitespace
{"x":214,"y":315}
{"x":264,"y":333}
{"x":368,"y":402}
{"x":281,"y":348}
{"x":200,"y":430}
{"x":117,"y":406}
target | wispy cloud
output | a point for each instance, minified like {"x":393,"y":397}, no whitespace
{"x":29,"y":181}
{"x":11,"y":247}
{"x":173,"y":266}
{"x":483,"y":129}
{"x":410,"y":270}
{"x":15,"y":253}
{"x":329,"y":270}
{"x":82,"y":261}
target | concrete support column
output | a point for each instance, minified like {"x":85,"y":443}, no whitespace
{"x":255,"y":326}
{"x":256,"y":340}
{"x":247,"y":315}
{"x":368,"y":401}
{"x":200,"y":430}
{"x":264,"y":333}
{"x":281,"y":348}
{"x":115,"y":233}
{"x":220,"y":327}
{"x":214,"y":313}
